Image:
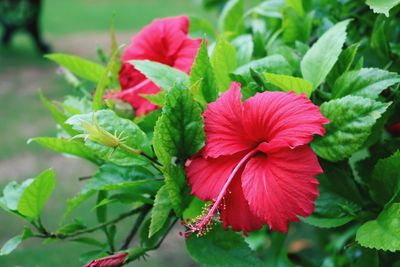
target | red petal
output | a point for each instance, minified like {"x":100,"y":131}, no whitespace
{"x":282,"y":119}
{"x":159,"y":41}
{"x":225,"y":134}
{"x":186,"y":54}
{"x":208,"y":176}
{"x":235,"y":211}
{"x":282,"y":185}
{"x":129,"y":76}
{"x":141,"y":104}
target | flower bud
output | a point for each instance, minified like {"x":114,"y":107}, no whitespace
{"x":109,"y":261}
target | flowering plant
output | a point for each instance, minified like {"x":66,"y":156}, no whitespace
{"x":289,"y":114}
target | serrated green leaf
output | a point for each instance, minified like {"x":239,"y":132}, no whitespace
{"x":231,"y":18}
{"x":177,"y":136}
{"x":147,"y":242}
{"x":160,"y":211}
{"x":83,"y":68}
{"x":384,"y":185}
{"x":220,"y":248}
{"x":132,"y":135}
{"x":343,"y":64}
{"x":62,"y":145}
{"x":164,"y":76}
{"x":367,"y":82}
{"x":351,"y":120}
{"x":13,"y":243}
{"x":322,"y":56}
{"x":289,"y":83}
{"x":35,"y":196}
{"x":202,"y":72}
{"x":179,"y":130}
{"x":224,"y":62}
{"x":382,"y":233}
{"x":382,"y":6}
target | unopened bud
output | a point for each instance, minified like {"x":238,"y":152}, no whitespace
{"x":116,"y":260}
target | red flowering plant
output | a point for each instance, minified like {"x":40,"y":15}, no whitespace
{"x":270,"y":139}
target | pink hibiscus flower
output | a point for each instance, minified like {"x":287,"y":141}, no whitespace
{"x":165,"y":41}
{"x":256,"y":165}
{"x":115,"y":260}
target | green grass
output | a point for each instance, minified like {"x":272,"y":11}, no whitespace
{"x":70,"y":16}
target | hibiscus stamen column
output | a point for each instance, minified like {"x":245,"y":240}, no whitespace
{"x":202,"y":223}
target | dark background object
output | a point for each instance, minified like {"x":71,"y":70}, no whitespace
{"x":24,"y":15}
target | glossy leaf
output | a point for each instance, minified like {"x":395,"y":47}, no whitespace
{"x":322,"y":56}
{"x":231,"y":18}
{"x":224,"y":62}
{"x":160,"y":211}
{"x":289,"y":83}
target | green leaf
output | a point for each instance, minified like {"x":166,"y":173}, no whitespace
{"x":138,"y":180}
{"x":179,"y":130}
{"x":58,"y":116}
{"x":271,"y":64}
{"x":295,"y":24}
{"x":151,"y":242}
{"x":224,"y":62}
{"x":194,"y":209}
{"x":343,"y":64}
{"x":200,"y":27}
{"x":382,"y":233}
{"x":331,"y":211}
{"x":202,"y":71}
{"x":322,"y":56}
{"x":351,"y":120}
{"x":83,"y":68}
{"x":367,"y":82}
{"x":103,"y":81}
{"x":244,"y":48}
{"x":220,"y":248}
{"x":157,"y":99}
{"x":382,"y":6}
{"x":177,"y":136}
{"x":164,"y":76}
{"x":385,"y":180}
{"x":160,"y":211}
{"x":231,"y":18}
{"x":289,"y":83}
{"x":13,"y":243}
{"x":36,"y":194}
{"x":379,"y":38}
{"x":128,"y":131}
{"x":72,"y":227}
{"x":67,"y":146}
{"x":12,"y":193}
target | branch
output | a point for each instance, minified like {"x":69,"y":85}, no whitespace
{"x":92,"y":229}
{"x":135,"y":227}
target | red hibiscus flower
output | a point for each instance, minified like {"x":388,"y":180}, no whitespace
{"x":256,"y":165}
{"x":165,"y":41}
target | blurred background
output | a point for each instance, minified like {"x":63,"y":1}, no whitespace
{"x":73,"y":27}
